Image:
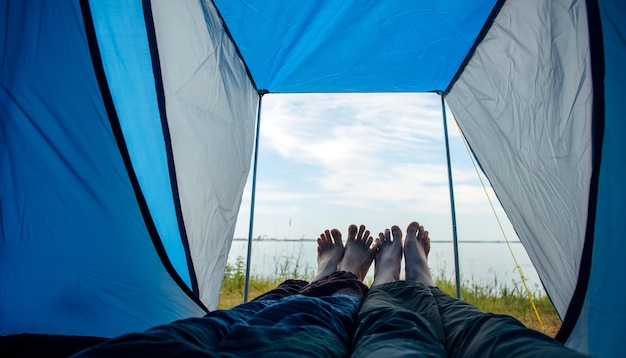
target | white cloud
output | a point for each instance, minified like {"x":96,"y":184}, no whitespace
{"x":337,"y":159}
{"x":312,"y":126}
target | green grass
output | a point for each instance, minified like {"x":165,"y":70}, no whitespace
{"x":286,"y":267}
{"x":498,"y":298}
{"x":493,"y":297}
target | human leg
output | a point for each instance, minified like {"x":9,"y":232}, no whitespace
{"x":277,"y":319}
{"x":359,"y":252}
{"x":340,"y":268}
{"x":396,"y":318}
{"x":469,"y":332}
{"x":286,"y":288}
{"x":330,"y":251}
{"x":388,"y":257}
{"x":196,"y":336}
{"x":319,"y":320}
{"x":190,"y":337}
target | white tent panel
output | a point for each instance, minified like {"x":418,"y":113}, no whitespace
{"x":524,"y":103}
{"x":211,"y":109}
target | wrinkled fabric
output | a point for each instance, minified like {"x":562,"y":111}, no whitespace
{"x":401,"y":319}
{"x":295,"y":319}
{"x":325,"y":318}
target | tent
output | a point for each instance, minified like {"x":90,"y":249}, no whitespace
{"x":127,"y":131}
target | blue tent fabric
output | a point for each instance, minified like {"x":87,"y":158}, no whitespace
{"x":354,"y":46}
{"x":603,"y":310}
{"x":127,"y":61}
{"x":126,"y":132}
{"x":71,"y":224}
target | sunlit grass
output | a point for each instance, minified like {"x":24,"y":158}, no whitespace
{"x":493,"y":297}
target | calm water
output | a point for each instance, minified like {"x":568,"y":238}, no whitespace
{"x":484,"y":263}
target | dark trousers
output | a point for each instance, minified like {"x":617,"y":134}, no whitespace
{"x":296,"y":318}
{"x":402,"y":319}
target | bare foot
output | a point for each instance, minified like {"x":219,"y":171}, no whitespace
{"x":389,"y":257}
{"x":329,"y":253}
{"x":416,"y":249}
{"x":359,"y":255}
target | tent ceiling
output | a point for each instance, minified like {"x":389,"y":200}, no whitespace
{"x":354,"y":46}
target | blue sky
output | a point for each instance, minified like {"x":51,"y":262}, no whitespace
{"x":330,"y":160}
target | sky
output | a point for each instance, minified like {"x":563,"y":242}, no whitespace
{"x":331,"y":160}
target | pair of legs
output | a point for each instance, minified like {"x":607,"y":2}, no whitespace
{"x":415,"y":318}
{"x":395,"y":318}
{"x":297,"y":318}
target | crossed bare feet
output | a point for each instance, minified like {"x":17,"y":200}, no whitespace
{"x":389,"y":257}
{"x":356,"y":257}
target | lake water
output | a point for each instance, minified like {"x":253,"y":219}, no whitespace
{"x":481,"y":263}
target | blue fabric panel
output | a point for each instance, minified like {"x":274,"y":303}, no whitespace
{"x":354,"y":46}
{"x":123,"y":43}
{"x":605,"y":297}
{"x":75,"y":255}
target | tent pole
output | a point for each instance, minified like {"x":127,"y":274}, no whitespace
{"x":454,"y":236}
{"x":256,"y":158}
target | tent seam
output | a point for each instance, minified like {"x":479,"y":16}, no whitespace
{"x":260,"y":91}
{"x":479,"y":38}
{"x":121,"y":144}
{"x":160,"y":94}
{"x":596,"y":49}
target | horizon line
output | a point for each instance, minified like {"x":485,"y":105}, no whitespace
{"x":435,"y":241}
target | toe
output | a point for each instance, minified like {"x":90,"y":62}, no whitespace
{"x":365,"y":236}
{"x":420,"y":233}
{"x":325,"y":242}
{"x":337,"y":237}
{"x":324,"y":237}
{"x":397,"y":235}
{"x":359,"y":235}
{"x":352,"y":232}
{"x":411,"y":230}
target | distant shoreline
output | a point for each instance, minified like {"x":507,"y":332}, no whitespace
{"x":434,"y":241}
